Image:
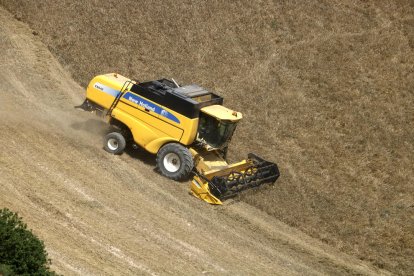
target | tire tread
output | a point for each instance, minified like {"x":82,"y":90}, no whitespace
{"x":186,"y":161}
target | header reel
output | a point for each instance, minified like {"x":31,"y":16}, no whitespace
{"x":216,"y":186}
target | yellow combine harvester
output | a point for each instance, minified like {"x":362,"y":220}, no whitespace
{"x":187,"y":127}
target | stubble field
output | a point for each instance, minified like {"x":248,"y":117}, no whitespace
{"x":325,"y":87}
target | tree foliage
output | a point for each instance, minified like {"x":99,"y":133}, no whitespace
{"x":21,"y":252}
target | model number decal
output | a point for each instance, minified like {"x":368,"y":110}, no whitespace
{"x":106,"y":89}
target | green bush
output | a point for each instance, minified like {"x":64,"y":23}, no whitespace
{"x":6,"y":270}
{"x":21,"y":252}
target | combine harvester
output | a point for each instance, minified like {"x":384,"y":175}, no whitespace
{"x":187,"y":127}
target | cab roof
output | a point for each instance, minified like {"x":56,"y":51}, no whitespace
{"x":222,"y":113}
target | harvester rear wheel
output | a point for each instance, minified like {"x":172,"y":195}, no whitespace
{"x":175,"y":161}
{"x":114,"y":143}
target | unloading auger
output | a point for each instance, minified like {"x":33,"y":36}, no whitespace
{"x":187,"y":127}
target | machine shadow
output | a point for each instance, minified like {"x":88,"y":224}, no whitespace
{"x":149,"y":159}
{"x":141,"y":155}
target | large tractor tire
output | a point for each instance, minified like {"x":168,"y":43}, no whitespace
{"x":114,"y":143}
{"x":175,"y":161}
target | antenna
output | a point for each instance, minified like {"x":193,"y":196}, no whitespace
{"x":175,"y":82}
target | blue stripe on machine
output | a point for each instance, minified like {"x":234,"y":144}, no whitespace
{"x":106,"y":89}
{"x":150,"y":106}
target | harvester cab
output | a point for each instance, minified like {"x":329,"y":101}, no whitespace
{"x":187,"y":127}
{"x":216,"y":126}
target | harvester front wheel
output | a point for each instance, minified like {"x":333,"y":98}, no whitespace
{"x":175,"y":161}
{"x":114,"y":143}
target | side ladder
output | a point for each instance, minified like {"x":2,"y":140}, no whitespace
{"x":119,"y":96}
